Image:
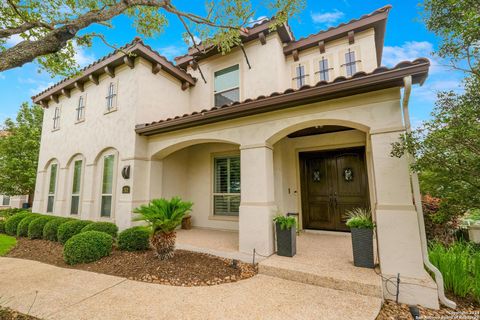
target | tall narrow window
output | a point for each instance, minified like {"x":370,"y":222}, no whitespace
{"x":227,"y":85}
{"x":6,"y":201}
{"x":107,"y":186}
{"x":323,"y":70}
{"x":56,"y":118}
{"x":77,"y":177}
{"x":226,"y":195}
{"x":111,"y":95}
{"x":300,"y":76}
{"x":350,"y":63}
{"x":80,"y":109}
{"x":51,"y":187}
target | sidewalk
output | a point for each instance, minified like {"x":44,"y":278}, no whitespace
{"x":57,"y":293}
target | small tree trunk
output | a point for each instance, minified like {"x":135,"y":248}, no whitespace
{"x":164,"y":244}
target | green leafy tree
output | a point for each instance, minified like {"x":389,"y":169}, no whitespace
{"x":19,"y":147}
{"x":447,"y":147}
{"x":163,"y":216}
{"x":51,"y":29}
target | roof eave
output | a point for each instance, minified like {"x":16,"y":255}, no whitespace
{"x":356,"y":85}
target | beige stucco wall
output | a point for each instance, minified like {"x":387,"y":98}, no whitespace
{"x":15,"y":201}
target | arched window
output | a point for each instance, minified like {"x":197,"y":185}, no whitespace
{"x":52,"y":186}
{"x":107,"y":188}
{"x":76,"y":172}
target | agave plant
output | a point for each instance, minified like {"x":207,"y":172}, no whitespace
{"x":163,"y":217}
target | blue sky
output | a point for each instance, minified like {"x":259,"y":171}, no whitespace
{"x":406,"y":39}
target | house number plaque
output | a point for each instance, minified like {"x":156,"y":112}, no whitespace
{"x":126,"y":189}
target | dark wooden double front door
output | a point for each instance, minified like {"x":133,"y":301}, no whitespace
{"x":332,"y":183}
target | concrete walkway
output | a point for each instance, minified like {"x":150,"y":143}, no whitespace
{"x":56,"y":293}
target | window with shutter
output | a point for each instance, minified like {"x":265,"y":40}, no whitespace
{"x":226,"y":193}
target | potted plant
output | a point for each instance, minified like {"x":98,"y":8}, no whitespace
{"x":361,"y":224}
{"x":286,"y":235}
{"x":471,"y":222}
{"x":163,"y":217}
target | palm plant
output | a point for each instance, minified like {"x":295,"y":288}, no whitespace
{"x":163,"y":217}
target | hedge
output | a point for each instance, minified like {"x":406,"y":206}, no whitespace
{"x":51,"y":228}
{"x":69,"y":229}
{"x":22,"y":228}
{"x":12,"y":223}
{"x":7,"y":213}
{"x":35,"y":229}
{"x":134,"y":239}
{"x":107,"y":227}
{"x":87,"y":247}
{"x":2,"y":226}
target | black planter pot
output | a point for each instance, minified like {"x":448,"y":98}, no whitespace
{"x":362,"y":244}
{"x":286,"y":241}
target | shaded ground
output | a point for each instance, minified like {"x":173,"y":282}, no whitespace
{"x":9,"y":314}
{"x":466,"y":309}
{"x":185,"y":269}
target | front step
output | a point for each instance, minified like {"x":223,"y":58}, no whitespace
{"x":363,"y":288}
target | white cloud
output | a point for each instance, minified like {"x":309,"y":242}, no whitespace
{"x":253,"y":21}
{"x":326,"y":18}
{"x":82,"y":57}
{"x":173,"y":51}
{"x":13,"y":40}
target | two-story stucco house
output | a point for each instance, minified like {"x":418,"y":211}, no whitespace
{"x":277,"y":125}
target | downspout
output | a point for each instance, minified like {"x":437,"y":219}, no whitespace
{"x":418,"y":202}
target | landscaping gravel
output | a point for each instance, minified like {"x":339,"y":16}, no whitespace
{"x":186,"y":268}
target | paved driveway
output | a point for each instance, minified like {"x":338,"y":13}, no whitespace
{"x":56,"y":293}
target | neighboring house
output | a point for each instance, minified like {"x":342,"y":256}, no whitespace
{"x":279,"y":125}
{"x":11,"y":201}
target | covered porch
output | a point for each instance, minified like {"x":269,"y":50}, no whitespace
{"x":323,"y":259}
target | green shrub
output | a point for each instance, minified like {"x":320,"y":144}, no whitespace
{"x":35,"y":229}
{"x":87,"y":247}
{"x":2,"y":226}
{"x":134,"y":239}
{"x":22,"y":228}
{"x":107,"y":227}
{"x":51,"y":228}
{"x":12,"y":223}
{"x":7,"y":213}
{"x":69,"y":229}
{"x":460,"y":267}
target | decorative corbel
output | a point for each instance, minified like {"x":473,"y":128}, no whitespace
{"x":93,"y":78}
{"x":54,"y":97}
{"x":351,"y":37}
{"x":262,"y":38}
{"x":156,"y":67}
{"x":110,"y":71}
{"x":66,"y":92}
{"x":193,"y":64}
{"x":129,"y":61}
{"x":321,"y":46}
{"x":79,"y":86}
{"x":185,"y":85}
{"x":295,"y":55}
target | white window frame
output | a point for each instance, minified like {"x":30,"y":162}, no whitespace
{"x":114,"y":179}
{"x":79,"y":193}
{"x":53,"y":194}
{"x":80,"y":109}
{"x":56,"y":118}
{"x":228,"y":89}
{"x":111,"y":98}
{"x":213,"y":214}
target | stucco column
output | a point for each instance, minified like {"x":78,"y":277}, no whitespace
{"x":39,"y":194}
{"x":257,"y":207}
{"x":398,"y":234}
{"x":62,"y":192}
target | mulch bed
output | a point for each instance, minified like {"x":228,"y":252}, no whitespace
{"x":9,"y":314}
{"x":186,"y":268}
{"x":466,"y":309}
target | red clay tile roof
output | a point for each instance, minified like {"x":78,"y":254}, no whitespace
{"x":114,"y":59}
{"x":360,"y":82}
{"x":376,"y":19}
